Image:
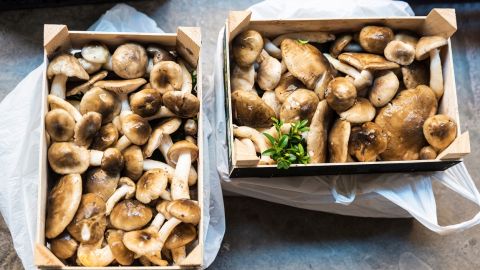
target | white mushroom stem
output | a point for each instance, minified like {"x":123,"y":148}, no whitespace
{"x":271,"y":48}
{"x":122,"y":143}
{"x":124,"y":101}
{"x":59,"y":86}
{"x":161,"y":113}
{"x":167,"y":229}
{"x":178,"y":254}
{"x":158,"y":221}
{"x":56,"y":102}
{"x":118,"y":124}
{"x":436,"y":73}
{"x":179,"y":185}
{"x":258,"y":139}
{"x":85,"y":232}
{"x":96,"y":157}
{"x":187,"y":84}
{"x":117,"y":196}
{"x":165,"y":145}
{"x":149,"y":164}
{"x":361,"y":79}
{"x":165,"y":195}
{"x":153,"y":143}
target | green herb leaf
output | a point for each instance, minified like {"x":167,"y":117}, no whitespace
{"x":270,"y":138}
{"x":302,"y":41}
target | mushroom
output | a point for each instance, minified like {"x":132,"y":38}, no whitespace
{"x":271,"y":100}
{"x":182,"y":235}
{"x":400,"y":52}
{"x":183,"y":104}
{"x":429,"y":46}
{"x":257,"y":138}
{"x":149,"y":164}
{"x":242,"y":78}
{"x":427,"y":152}
{"x":95,"y":52}
{"x":94,"y":255}
{"x":159,"y":54}
{"x":129,"y":61}
{"x":84,"y":87}
{"x":89,"y":67}
{"x":110,"y":160}
{"x":440,"y":131}
{"x":105,"y":137}
{"x":166,"y":76}
{"x":63,"y":246}
{"x":60,"y":125}
{"x":182,"y":154}
{"x":414,"y":75}
{"x":287,"y":85}
{"x":190,"y":127}
{"x":146,"y":102}
{"x":121,"y":254}
{"x":126,"y":188}
{"x":133,"y":157}
{"x":168,"y":127}
{"x":246,"y":47}
{"x":362,"y":111}
{"x":374,"y":39}
{"x":272,"y":49}
{"x":403,"y":121}
{"x":89,"y":223}
{"x":339,"y":44}
{"x":384,"y":88}
{"x":299,"y":105}
{"x":317,"y":135}
{"x":60,"y":68}
{"x":63,"y":202}
{"x":151,"y":185}
{"x":367,"y":142}
{"x":87,"y":128}
{"x":407,"y":37}
{"x":187,"y":84}
{"x":314,"y":37}
{"x":165,"y":145}
{"x":129,"y":215}
{"x":101,"y":183}
{"x":361,"y":79}
{"x":67,"y":158}
{"x":136,"y":130}
{"x":341,"y":94}
{"x":338,"y":141}
{"x":122,"y":88}
{"x":250,"y":110}
{"x":100,"y":101}
{"x":269,"y":72}
{"x":368,"y":61}
{"x":161,"y":113}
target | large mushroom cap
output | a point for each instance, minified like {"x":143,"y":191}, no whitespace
{"x":403,"y":121}
{"x":287,"y":85}
{"x":64,"y":246}
{"x":181,"y":236}
{"x":115,"y":241}
{"x":133,"y":162}
{"x":101,"y":101}
{"x":101,"y":183}
{"x":185,"y":210}
{"x":136,"y":128}
{"x":105,"y":137}
{"x":400,"y":52}
{"x":151,"y":185}
{"x":338,"y":141}
{"x":87,"y":128}
{"x":250,"y":110}
{"x":340,"y":94}
{"x":95,"y":52}
{"x":367,"y":61}
{"x":362,"y":111}
{"x":246,"y":47}
{"x":426,"y":44}
{"x":63,"y":202}
{"x":67,"y":65}
{"x":299,"y":105}
{"x":440,"y":130}
{"x":166,"y":76}
{"x":89,"y":222}
{"x":67,"y":158}
{"x":367,"y":141}
{"x":112,"y":161}
{"x":183,"y":104}
{"x":130,"y":215}
{"x":374,"y":39}
{"x":146,"y":102}
{"x":181,"y":147}
{"x":129,"y":61}
{"x":305,"y":62}
{"x":60,"y":125}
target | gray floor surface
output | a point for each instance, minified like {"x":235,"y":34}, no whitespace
{"x":262,"y":235}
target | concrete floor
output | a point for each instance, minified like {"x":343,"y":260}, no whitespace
{"x":261,"y":235}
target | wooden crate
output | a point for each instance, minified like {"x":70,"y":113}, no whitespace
{"x":187,"y":42}
{"x":438,"y":22}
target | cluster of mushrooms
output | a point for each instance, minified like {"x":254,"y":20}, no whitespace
{"x":372,"y":95}
{"x":113,"y":202}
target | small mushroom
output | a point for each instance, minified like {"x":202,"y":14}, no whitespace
{"x":167,"y":127}
{"x":317,"y":136}
{"x":190,"y":127}
{"x":89,"y":67}
{"x":384,"y":88}
{"x":63,"y":246}
{"x":427,"y":152}
{"x":361,"y":79}
{"x":110,"y":160}
{"x":338,"y":141}
{"x":129,"y":61}
{"x":429,"y":46}
{"x":339,"y":44}
{"x":133,"y":157}
{"x":246,"y":47}
{"x":89,"y":223}
{"x":149,"y":164}
{"x":341,"y":94}
{"x":440,"y":131}
{"x":250,"y":110}
{"x":60,"y":69}
{"x":129,"y":215}
{"x":242,"y":78}
{"x":257,"y":138}
{"x":101,"y":183}
{"x":60,"y":125}
{"x":367,"y":142}
{"x":94,"y":255}
{"x":87,"y":128}
{"x":122,"y":88}
{"x":95,"y":52}
{"x":299,"y":105}
{"x":151,"y":185}
{"x":84,"y":87}
{"x":159,"y":54}
{"x":287,"y":85}
{"x":414,"y":75}
{"x":183,"y":104}
{"x":400,"y":52}
{"x":182,"y":154}
{"x":313,"y":37}
{"x":182,"y":235}
{"x":407,"y":37}
{"x":269,"y":72}
{"x":63,"y":202}
{"x":166,"y":76}
{"x":368,"y":61}
{"x":271,"y":100}
{"x":126,"y":189}
{"x":68,"y":158}
{"x":146,"y":102}
{"x":105,"y":137}
{"x":272,"y":49}
{"x":121,"y":254}
{"x":362,"y":111}
{"x":100,"y":101}
{"x":374,"y":39}
{"x":136,"y":130}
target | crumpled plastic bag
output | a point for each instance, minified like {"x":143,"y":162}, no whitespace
{"x":19,"y":145}
{"x":393,"y":195}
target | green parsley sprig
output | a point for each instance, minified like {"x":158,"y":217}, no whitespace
{"x":288,"y":148}
{"x":302,"y":41}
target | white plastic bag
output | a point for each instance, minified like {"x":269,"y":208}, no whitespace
{"x":19,"y":146}
{"x":376,"y":195}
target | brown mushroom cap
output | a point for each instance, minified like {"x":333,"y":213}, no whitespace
{"x":362,"y":111}
{"x":182,"y":235}
{"x":129,"y":61}
{"x":287,"y":85}
{"x":246,"y":47}
{"x":183,"y":104}
{"x":112,"y":161}
{"x":136,"y":128}
{"x":403,"y":121}
{"x":415,"y":74}
{"x":67,"y":65}
{"x":339,"y":44}
{"x":338,"y":141}
{"x":146,"y":102}
{"x":374,"y":39}
{"x":64,"y":246}
{"x":133,"y":157}
{"x":101,"y":101}
{"x":89,"y":67}
{"x":185,"y":210}
{"x":440,"y":131}
{"x":384,"y":88}
{"x":87,"y":128}
{"x":407,"y":37}
{"x":105,"y":137}
{"x":269,"y":71}
{"x":166,"y":76}
{"x":428,"y":152}
{"x":367,"y":61}
{"x":60,"y":125}
{"x":426,"y":44}
{"x":141,"y":240}
{"x":89,"y":223}
{"x":67,"y":158}
{"x":181,"y":147}
{"x":367,"y":141}
{"x":101,"y":183}
{"x":250,"y":110}
{"x":190,"y":127}
{"x":162,"y":209}
{"x":400,"y":52}
{"x":122,"y":255}
{"x":130,"y":215}
{"x":299,"y":105}
{"x":63,"y":202}
{"x":151,"y":185}
{"x":340,"y":94}
{"x":95,"y":52}
{"x":159,"y":54}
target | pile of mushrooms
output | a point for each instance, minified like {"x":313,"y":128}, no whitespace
{"x":368,"y":96}
{"x":117,"y":200}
